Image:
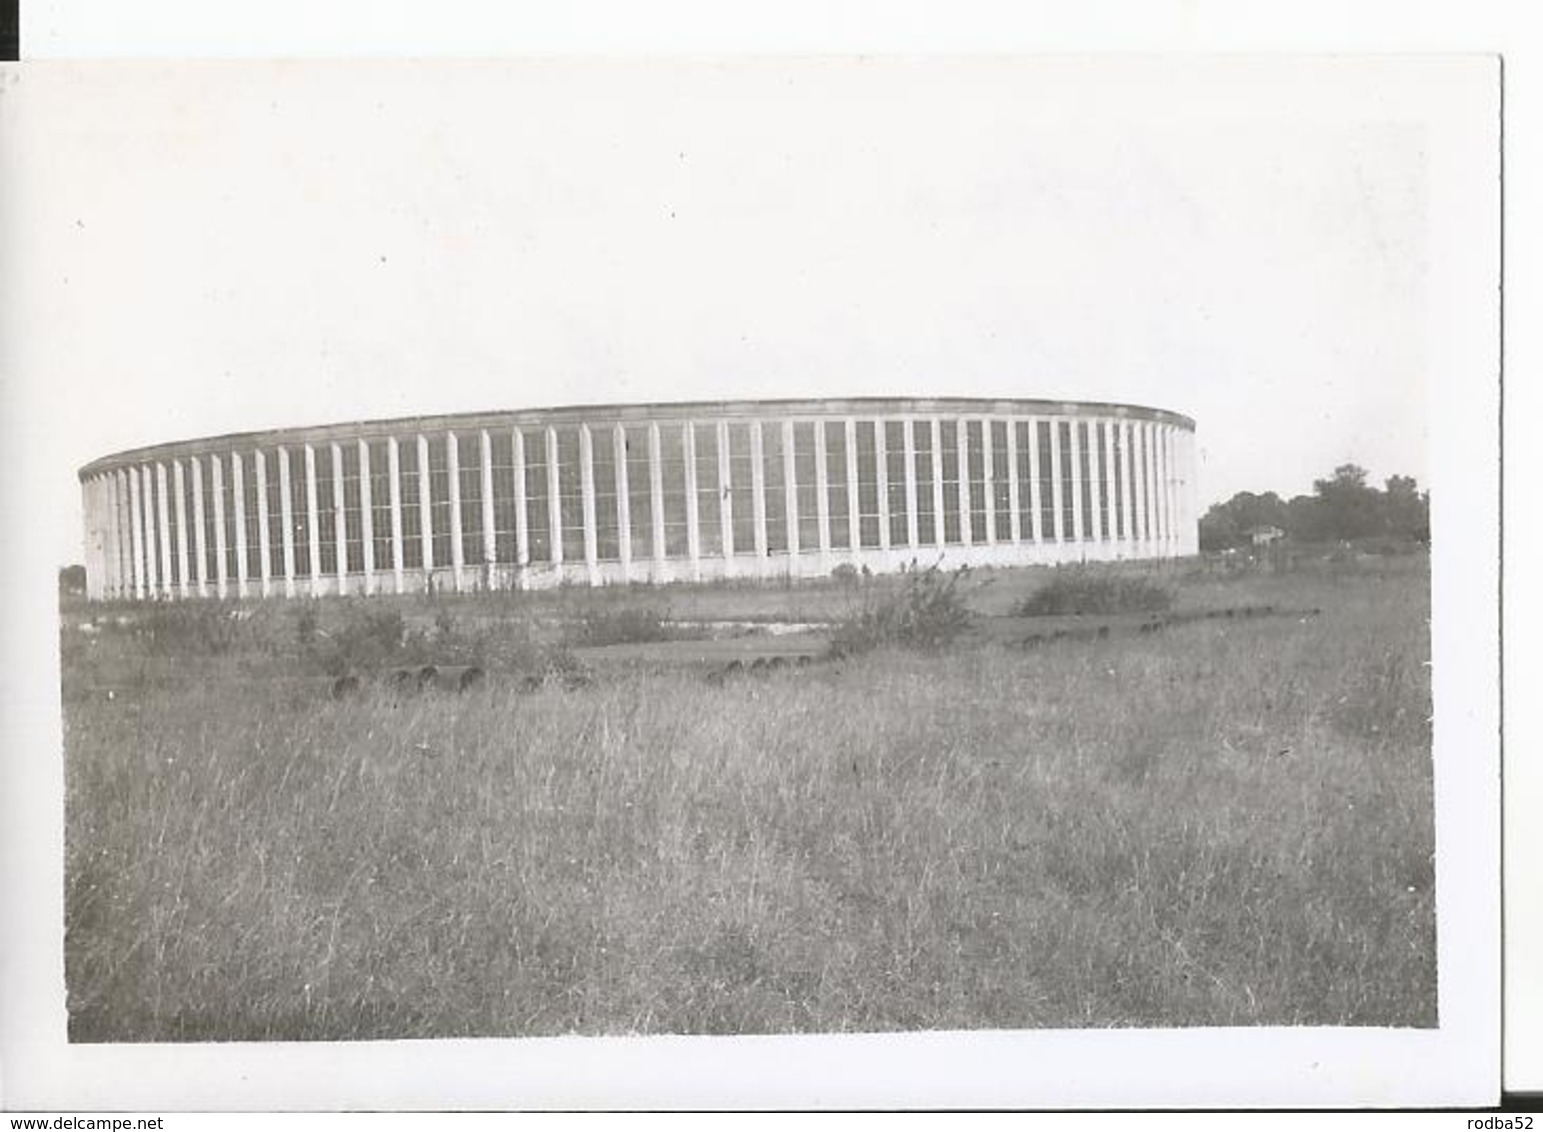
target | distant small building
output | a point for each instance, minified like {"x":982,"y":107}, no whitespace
{"x":1264,"y":536}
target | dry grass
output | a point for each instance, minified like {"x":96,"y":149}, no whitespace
{"x":1230,"y":824}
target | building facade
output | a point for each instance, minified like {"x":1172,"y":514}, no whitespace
{"x":639,"y":493}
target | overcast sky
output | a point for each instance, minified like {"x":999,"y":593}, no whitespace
{"x":215,"y":248}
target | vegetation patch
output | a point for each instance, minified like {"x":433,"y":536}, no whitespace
{"x":926,"y":612}
{"x":1074,"y":592}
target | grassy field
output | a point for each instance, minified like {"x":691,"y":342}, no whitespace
{"x":1228,"y":823}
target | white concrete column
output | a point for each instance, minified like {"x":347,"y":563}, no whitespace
{"x":1140,"y":454}
{"x":1074,"y":432}
{"x":623,"y":501}
{"x":489,"y":525}
{"x":1127,"y":464}
{"x":366,"y":519}
{"x":656,"y":496}
{"x":1095,"y":492}
{"x":758,"y":491}
{"x":394,"y":474}
{"x":790,"y":489}
{"x":115,"y":527}
{"x":92,"y":537}
{"x":1014,"y":520}
{"x":1057,"y":482}
{"x":587,"y":499}
{"x":155,"y":574}
{"x":988,"y":480}
{"x":107,"y":501}
{"x":822,"y":491}
{"x":1036,"y":489}
{"x":425,"y":509}
{"x":136,"y":535}
{"x":908,"y":441}
{"x":163,"y":527}
{"x":881,"y":479}
{"x":312,"y":519}
{"x":339,"y":518}
{"x":453,"y":473}
{"x":221,"y":546}
{"x":854,"y":516}
{"x":238,"y":490}
{"x":200,"y":534}
{"x":286,"y":518}
{"x":1159,"y":490}
{"x":966,"y":528}
{"x":521,"y":515}
{"x":180,"y":540}
{"x":693,"y":512}
{"x":939,"y":525}
{"x":554,"y":500}
{"x":1170,"y":494}
{"x":1110,"y":536}
{"x":725,"y":495}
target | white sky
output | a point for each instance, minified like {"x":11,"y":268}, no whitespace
{"x":214,"y":248}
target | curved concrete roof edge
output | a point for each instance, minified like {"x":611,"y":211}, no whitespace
{"x":623,"y":413}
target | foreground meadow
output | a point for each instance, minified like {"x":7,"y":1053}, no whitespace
{"x":1229,"y":823}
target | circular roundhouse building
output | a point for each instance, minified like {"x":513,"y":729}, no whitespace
{"x":605,"y":494}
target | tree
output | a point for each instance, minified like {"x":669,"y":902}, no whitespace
{"x":1350,"y":509}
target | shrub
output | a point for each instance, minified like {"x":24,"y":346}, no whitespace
{"x":926,"y":612}
{"x":1083,"y":592}
{"x":190,"y":629}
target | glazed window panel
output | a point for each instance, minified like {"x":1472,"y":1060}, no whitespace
{"x":538,"y":524}
{"x":867,"y":483}
{"x":380,"y":505}
{"x":836,"y":457}
{"x":353,"y":523}
{"x":949,"y":461}
{"x":1067,"y":471}
{"x":439,"y":497}
{"x":894,"y":471}
{"x":926,"y":516}
{"x":469,"y":476}
{"x":167,"y":496}
{"x":1084,"y":473}
{"x":190,"y":517}
{"x":806,"y":484}
{"x":742,"y":488}
{"x":640,"y":496}
{"x":275,"y":508}
{"x":1046,"y":487}
{"x":708,"y":491}
{"x":228,"y":506}
{"x":326,"y":516}
{"x":1026,"y":471}
{"x":410,"y":474}
{"x":672,"y":467}
{"x":607,"y":532}
{"x":976,"y":462}
{"x":504,"y":530}
{"x":776,"y":487}
{"x":570,"y":493}
{"x":211,"y":548}
{"x":1001,"y":487}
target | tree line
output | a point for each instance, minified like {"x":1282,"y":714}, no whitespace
{"x":1341,"y":508}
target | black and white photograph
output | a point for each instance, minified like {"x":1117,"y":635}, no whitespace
{"x":875,"y":558}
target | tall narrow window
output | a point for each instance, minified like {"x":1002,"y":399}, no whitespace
{"x":640,"y":495}
{"x":538,"y":519}
{"x":353,"y":525}
{"x":926,"y":517}
{"x":867,"y":484}
{"x":836,"y":457}
{"x":253,"y":504}
{"x":469,"y":475}
{"x":1046,"y":483}
{"x":603,"y":465}
{"x":894,"y":473}
{"x":1084,"y":473}
{"x":570,"y":493}
{"x":275,"y":507}
{"x":806,"y":485}
{"x":380,"y":505}
{"x":950,"y":468}
{"x":412,"y":516}
{"x":742,"y":488}
{"x":977,"y":471}
{"x":709,"y":492}
{"x":672,"y":467}
{"x":1001,"y":486}
{"x":439,"y":498}
{"x":774,"y":481}
{"x":228,"y":506}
